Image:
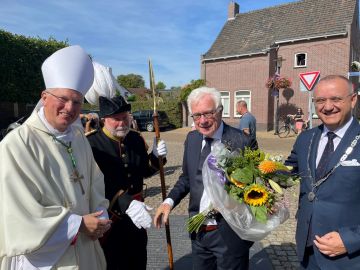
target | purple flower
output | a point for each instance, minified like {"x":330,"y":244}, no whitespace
{"x":219,"y":172}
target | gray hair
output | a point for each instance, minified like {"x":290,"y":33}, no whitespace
{"x":198,"y":93}
{"x":340,"y":77}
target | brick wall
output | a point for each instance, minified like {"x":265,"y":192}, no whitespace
{"x":242,"y":74}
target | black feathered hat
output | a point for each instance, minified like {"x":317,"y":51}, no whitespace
{"x":113,"y":106}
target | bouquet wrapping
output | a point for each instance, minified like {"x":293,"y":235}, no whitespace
{"x":255,"y":207}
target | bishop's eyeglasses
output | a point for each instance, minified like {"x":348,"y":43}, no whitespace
{"x":65,"y":100}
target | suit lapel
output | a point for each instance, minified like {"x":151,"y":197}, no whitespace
{"x":195,"y":149}
{"x":227,"y":139}
{"x":314,"y":147}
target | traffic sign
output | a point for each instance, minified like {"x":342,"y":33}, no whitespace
{"x":309,"y":78}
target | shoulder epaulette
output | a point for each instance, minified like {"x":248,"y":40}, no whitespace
{"x":137,"y":131}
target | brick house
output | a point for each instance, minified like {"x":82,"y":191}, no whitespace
{"x":302,"y":36}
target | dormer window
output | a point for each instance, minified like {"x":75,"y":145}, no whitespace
{"x":300,"y":60}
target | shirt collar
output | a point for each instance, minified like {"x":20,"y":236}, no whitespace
{"x":340,"y":132}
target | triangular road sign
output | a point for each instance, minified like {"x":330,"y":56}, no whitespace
{"x":309,"y":78}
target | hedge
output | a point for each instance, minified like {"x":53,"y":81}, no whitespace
{"x":172,"y":107}
{"x":20,"y":66}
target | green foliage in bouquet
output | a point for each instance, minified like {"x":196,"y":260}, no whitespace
{"x":255,"y":178}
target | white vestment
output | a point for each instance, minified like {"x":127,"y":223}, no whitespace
{"x":39,"y":199}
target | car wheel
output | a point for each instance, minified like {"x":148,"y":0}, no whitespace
{"x":150,"y":127}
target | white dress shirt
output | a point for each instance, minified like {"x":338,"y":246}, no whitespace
{"x":340,"y":132}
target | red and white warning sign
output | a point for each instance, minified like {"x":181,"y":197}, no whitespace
{"x":309,"y":78}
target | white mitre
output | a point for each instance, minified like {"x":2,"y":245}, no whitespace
{"x":104,"y":85}
{"x":70,"y":67}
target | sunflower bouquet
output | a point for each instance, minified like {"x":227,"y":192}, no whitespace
{"x":246,"y":188}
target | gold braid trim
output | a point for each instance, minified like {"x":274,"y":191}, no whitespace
{"x":108,"y":134}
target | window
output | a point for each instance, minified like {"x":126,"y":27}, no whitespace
{"x":225,"y":100}
{"x":242,"y":95}
{"x":300,"y":60}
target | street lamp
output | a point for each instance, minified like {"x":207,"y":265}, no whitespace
{"x":276,"y":92}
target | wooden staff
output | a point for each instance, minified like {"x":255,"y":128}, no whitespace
{"x":161,"y":164}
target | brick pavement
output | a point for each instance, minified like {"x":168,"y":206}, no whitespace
{"x":279,"y":246}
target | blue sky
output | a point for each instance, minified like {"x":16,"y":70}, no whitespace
{"x":124,"y":34}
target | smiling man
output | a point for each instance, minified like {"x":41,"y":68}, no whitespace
{"x":216,"y":245}
{"x":52,"y":194}
{"x":327,"y":159}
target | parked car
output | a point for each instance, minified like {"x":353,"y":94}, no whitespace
{"x":144,"y":119}
{"x":14,"y":125}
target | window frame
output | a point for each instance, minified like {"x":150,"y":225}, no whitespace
{"x":229,"y":100}
{"x":242,"y":97}
{"x":295,"y":60}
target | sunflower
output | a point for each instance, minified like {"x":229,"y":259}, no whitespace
{"x":236,"y":183}
{"x":267,"y":166}
{"x":256,"y":195}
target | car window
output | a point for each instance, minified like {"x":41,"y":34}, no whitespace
{"x":136,"y":114}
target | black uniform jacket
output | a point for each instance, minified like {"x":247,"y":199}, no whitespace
{"x":124,"y":163}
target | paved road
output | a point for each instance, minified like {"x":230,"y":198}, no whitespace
{"x":276,"y":251}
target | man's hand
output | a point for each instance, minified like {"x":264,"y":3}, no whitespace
{"x":94,"y":227}
{"x":162,"y":215}
{"x":246,"y":131}
{"x":330,"y":244}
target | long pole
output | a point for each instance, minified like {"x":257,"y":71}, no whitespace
{"x":161,"y":165}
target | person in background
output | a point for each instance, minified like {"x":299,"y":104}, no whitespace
{"x":299,"y":120}
{"x":52,"y":194}
{"x":90,"y":122}
{"x":327,"y":159}
{"x":247,"y":120}
{"x":122,"y":156}
{"x":216,"y":245}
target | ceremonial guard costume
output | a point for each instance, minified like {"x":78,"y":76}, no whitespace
{"x":125,"y":163}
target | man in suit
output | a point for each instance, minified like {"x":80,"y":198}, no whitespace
{"x":216,"y":245}
{"x":327,"y":159}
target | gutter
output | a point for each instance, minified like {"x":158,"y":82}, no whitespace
{"x":235,"y":56}
{"x":309,"y":38}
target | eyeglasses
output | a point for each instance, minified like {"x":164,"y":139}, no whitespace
{"x":333,"y":100}
{"x":65,"y":100}
{"x":207,"y":115}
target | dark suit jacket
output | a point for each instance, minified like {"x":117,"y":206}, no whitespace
{"x":337,"y":203}
{"x":188,"y":181}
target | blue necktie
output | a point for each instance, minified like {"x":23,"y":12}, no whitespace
{"x":325,"y":158}
{"x":205,"y":152}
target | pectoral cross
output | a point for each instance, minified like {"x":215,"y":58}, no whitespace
{"x":76,"y":177}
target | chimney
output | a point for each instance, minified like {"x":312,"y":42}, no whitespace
{"x":233,"y":10}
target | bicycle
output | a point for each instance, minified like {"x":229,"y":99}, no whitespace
{"x":287,"y":128}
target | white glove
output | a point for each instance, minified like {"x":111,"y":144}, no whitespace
{"x":159,"y":149}
{"x":138,"y":212}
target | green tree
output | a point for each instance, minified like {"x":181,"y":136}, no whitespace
{"x":20,"y":66}
{"x":175,"y":88}
{"x":160,"y":86}
{"x":131,"y":80}
{"x":186,"y":90}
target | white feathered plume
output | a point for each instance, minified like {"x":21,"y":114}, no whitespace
{"x":104,"y":85}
